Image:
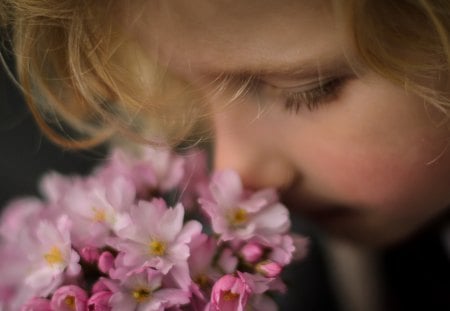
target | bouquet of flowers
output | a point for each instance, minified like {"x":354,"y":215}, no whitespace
{"x":147,"y":232}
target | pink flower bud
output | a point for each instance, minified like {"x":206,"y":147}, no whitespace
{"x":100,"y":301}
{"x":99,"y":286}
{"x":230,"y":293}
{"x":36,"y":304}
{"x":252,"y":252}
{"x":89,"y":254}
{"x":69,"y":298}
{"x":105,"y":262}
{"x":269,"y":269}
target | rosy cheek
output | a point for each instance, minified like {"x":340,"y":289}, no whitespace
{"x":368,"y":179}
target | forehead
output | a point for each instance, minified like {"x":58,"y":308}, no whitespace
{"x":239,"y":35}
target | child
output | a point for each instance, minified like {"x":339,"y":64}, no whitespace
{"x":341,"y":105}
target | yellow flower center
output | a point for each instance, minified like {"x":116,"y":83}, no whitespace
{"x":70,"y":302}
{"x":54,"y":256}
{"x":238,"y":217}
{"x":157,"y":248}
{"x":228,"y":295}
{"x":99,"y":214}
{"x":141,"y":294}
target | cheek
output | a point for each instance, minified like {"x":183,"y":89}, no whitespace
{"x":372,"y":151}
{"x":375,"y":178}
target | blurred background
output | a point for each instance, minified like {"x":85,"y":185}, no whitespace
{"x":25,"y":154}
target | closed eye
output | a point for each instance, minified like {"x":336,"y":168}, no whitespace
{"x":315,"y":97}
{"x":293,"y":98}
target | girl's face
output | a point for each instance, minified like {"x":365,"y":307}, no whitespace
{"x":368,"y":161}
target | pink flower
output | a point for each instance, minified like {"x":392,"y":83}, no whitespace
{"x":99,"y":301}
{"x":51,"y":256}
{"x":269,"y":269}
{"x":97,"y":208}
{"x":230,"y":293}
{"x":101,"y":285}
{"x":69,"y":298}
{"x":167,"y":166}
{"x":106,"y":262}
{"x":257,"y":283}
{"x":143,"y":254}
{"x":202,"y":269}
{"x":37,"y":304}
{"x":236,"y":214}
{"x":17,"y":215}
{"x":144,"y":290}
{"x":158,"y":237}
{"x":54,"y":186}
{"x":155,"y":170}
{"x":227,"y":261}
{"x":203,"y":249}
{"x":282,"y":249}
{"x":14,"y":266}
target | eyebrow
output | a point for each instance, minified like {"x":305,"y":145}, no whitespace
{"x":299,"y":70}
{"x":307,"y":70}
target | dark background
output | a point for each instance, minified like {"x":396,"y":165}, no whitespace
{"x":25,"y":153}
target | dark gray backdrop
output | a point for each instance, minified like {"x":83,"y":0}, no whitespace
{"x":25,"y":154}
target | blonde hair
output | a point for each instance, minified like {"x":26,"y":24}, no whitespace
{"x":76,"y":64}
{"x":407,"y":42}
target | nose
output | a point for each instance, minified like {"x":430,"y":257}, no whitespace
{"x":246,"y":146}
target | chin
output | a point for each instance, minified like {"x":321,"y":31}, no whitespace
{"x":367,"y":227}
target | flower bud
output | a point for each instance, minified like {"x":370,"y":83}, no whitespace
{"x":269,"y":269}
{"x":230,"y":293}
{"x":100,"y":301}
{"x":69,"y":297}
{"x":251,"y":252}
{"x":105,"y":262}
{"x":89,"y":254}
{"x":99,"y":286}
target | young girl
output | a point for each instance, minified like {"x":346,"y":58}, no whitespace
{"x":341,"y":105}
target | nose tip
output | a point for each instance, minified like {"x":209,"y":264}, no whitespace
{"x":250,"y":147}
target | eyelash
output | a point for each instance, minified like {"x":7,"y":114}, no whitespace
{"x":314,"y":98}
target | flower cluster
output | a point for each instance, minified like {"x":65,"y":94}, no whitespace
{"x":147,"y":232}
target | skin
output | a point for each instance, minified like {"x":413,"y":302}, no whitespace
{"x":369,"y":164}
